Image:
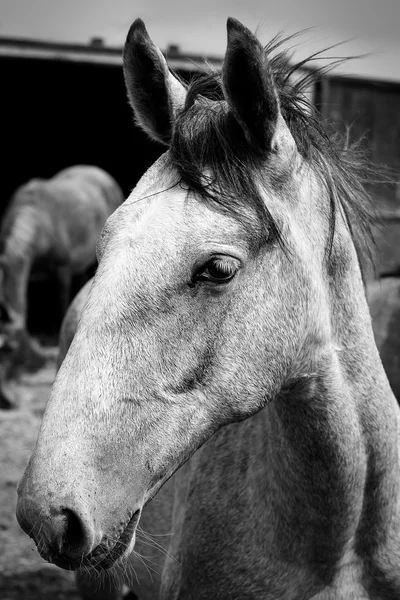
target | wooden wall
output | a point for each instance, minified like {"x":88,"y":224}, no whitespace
{"x":372,"y":110}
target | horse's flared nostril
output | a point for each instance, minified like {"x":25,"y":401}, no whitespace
{"x":67,"y":535}
{"x":63,"y":536}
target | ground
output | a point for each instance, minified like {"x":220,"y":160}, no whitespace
{"x":23,"y":574}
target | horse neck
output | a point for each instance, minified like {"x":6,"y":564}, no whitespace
{"x":332,"y":433}
{"x":313,"y":476}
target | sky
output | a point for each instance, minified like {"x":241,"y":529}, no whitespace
{"x":372,"y":26}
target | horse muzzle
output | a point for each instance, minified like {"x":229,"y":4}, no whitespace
{"x":67,"y":536}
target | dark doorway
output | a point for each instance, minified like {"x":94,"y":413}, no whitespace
{"x":59,"y":113}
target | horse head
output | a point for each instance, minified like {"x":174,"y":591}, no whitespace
{"x":220,"y":284}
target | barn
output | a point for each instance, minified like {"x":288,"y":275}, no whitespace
{"x":370,"y":109}
{"x":66,"y":104}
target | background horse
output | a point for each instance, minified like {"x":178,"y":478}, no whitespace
{"x":49,"y":226}
{"x":70,"y":322}
{"x":227,"y":339}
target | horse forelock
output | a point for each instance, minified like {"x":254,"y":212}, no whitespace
{"x":208,"y":138}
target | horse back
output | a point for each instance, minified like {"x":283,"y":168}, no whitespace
{"x":64,"y":215}
{"x":98,"y":178}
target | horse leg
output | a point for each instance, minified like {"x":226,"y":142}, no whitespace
{"x":30,"y":356}
{"x":5,"y":402}
{"x":65,"y":281}
{"x":92,"y":587}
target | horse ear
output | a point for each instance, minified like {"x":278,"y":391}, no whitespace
{"x":249,"y":86}
{"x":156,"y":96}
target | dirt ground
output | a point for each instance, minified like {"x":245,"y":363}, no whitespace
{"x":23,"y":574}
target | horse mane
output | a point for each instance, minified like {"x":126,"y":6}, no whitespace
{"x":213,"y":156}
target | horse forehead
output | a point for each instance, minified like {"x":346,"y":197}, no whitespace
{"x":174,"y":218}
{"x":160,"y":208}
{"x":149,"y":219}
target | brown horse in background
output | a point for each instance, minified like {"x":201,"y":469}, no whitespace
{"x":50,"y":226}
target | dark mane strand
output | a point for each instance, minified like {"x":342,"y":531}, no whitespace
{"x":213,"y":157}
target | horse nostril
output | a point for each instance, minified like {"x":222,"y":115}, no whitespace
{"x":62,"y":535}
{"x":67,"y":535}
{"x":75,"y":534}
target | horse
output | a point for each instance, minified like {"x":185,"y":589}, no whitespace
{"x":225,"y":355}
{"x":49,"y":226}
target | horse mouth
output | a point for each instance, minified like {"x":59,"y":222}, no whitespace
{"x":102,"y":557}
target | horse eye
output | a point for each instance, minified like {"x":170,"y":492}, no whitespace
{"x":218,"y":270}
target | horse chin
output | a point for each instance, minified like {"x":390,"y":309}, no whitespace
{"x":109,"y":552}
